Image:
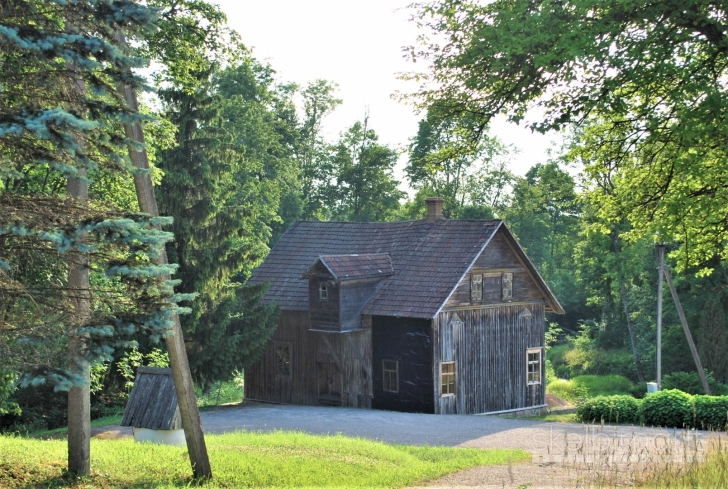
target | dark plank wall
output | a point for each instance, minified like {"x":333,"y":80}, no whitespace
{"x":489,"y":348}
{"x":407,"y":341}
{"x":354,"y":295}
{"x":309,"y":355}
{"x":497,"y":255}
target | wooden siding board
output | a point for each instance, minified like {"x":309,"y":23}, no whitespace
{"x":497,"y":255}
{"x":153,"y":401}
{"x":308,"y":350}
{"x":354,"y":295}
{"x":489,"y":349}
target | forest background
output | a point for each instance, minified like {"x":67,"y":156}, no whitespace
{"x":239,"y":154}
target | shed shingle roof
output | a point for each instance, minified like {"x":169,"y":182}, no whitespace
{"x":429,"y":260}
{"x":152,"y":403}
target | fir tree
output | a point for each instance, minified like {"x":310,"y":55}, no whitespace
{"x":217,"y":192}
{"x":59,"y":111}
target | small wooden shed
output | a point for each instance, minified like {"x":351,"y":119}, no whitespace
{"x":434,"y":315}
{"x":152,"y":410}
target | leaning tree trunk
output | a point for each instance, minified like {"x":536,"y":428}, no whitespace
{"x":625,"y":303}
{"x":184,"y":387}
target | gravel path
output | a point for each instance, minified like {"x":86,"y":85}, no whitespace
{"x":557,"y":448}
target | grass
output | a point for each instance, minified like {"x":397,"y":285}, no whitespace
{"x":221,"y":393}
{"x":713,"y":472}
{"x":244,"y":459}
{"x":590,"y":386}
{"x":554,"y":417}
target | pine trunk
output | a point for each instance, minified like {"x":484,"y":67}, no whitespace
{"x":79,"y":397}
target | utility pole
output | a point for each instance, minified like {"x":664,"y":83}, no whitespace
{"x":664,"y":270}
{"x":178,"y":362}
{"x":660,"y":268}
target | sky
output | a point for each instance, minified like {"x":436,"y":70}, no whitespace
{"x":358,"y":45}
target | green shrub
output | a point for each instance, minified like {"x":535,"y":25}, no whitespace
{"x":609,"y":409}
{"x":639,"y":390}
{"x":710,"y":412}
{"x":669,"y":408}
{"x":690,"y":383}
{"x":604,"y":385}
{"x":566,"y":389}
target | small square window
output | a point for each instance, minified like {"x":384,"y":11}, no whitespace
{"x":323,"y":292}
{"x":390,"y":370}
{"x":447,"y":379}
{"x":283,"y":359}
{"x":476,"y":287}
{"x":533,"y":362}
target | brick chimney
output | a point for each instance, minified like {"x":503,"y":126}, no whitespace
{"x":434,"y":208}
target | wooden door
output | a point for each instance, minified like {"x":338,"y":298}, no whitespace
{"x":330,"y":384}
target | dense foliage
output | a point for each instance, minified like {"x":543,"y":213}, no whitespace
{"x":667,"y":408}
{"x":643,"y":79}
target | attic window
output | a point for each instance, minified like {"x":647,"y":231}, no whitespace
{"x":533,"y":363}
{"x":507,"y":282}
{"x":476,"y":287}
{"x":390,"y":369}
{"x":323,"y":292}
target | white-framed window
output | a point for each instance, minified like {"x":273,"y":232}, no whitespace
{"x":323,"y":292}
{"x":533,"y":366}
{"x":447,"y":378}
{"x":476,"y":287}
{"x":283,"y":359}
{"x":390,"y":369}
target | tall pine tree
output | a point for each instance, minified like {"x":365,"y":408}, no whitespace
{"x":207,"y":189}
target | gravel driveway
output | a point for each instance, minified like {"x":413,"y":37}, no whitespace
{"x":554,"y":446}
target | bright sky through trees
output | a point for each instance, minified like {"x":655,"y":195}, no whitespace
{"x":357,"y":44}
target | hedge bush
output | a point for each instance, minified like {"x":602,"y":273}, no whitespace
{"x":671,"y":408}
{"x":710,"y":412}
{"x":610,"y":409}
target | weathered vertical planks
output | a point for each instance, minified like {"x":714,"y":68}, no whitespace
{"x":488,"y":346}
{"x":310,"y":354}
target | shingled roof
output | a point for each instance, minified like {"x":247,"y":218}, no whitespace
{"x":153,"y":401}
{"x":429,"y":259}
{"x":348,"y":267}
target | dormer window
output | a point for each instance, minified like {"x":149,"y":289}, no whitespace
{"x":323,"y":292}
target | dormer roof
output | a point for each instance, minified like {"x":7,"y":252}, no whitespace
{"x":355,"y":266}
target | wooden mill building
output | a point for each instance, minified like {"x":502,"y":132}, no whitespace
{"x":434,"y":316}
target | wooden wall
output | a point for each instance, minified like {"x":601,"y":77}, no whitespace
{"x":325,"y":367}
{"x":407,"y":341}
{"x":354,"y":294}
{"x":325,"y":314}
{"x":497,"y":258}
{"x":488,"y":347}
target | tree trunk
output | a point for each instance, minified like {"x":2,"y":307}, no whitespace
{"x":187,"y":401}
{"x":79,"y":397}
{"x":625,"y":303}
{"x":630,"y":327}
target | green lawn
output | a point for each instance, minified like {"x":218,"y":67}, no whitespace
{"x":243,"y":459}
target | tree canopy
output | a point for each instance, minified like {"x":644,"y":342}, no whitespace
{"x":647,"y":78}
